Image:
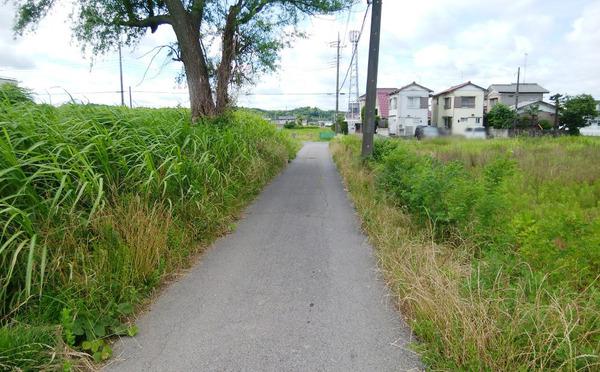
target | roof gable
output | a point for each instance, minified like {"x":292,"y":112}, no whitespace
{"x":452,"y":89}
{"x":414,"y":83}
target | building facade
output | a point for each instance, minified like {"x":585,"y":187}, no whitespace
{"x":458,"y":108}
{"x":507,"y":94}
{"x":408,"y":108}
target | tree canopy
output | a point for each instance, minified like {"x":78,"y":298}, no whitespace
{"x":501,"y":116}
{"x":576,"y":110}
{"x":222,"y":43}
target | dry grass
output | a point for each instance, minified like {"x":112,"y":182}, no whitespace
{"x":460,"y":325}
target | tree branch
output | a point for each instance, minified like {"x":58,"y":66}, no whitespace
{"x":153,"y":22}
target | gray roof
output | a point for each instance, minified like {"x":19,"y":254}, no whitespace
{"x":528,"y":103}
{"x":523,"y":88}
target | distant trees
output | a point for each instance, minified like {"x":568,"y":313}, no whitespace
{"x":501,"y":116}
{"x":575,"y":111}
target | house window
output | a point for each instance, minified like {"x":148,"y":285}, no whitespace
{"x":464,"y":120}
{"x":478,"y":120}
{"x":424,"y":102}
{"x":414,"y":102}
{"x":393,"y":103}
{"x":468,"y":102}
{"x":448,"y":122}
{"x":447,"y":103}
{"x":493,"y":102}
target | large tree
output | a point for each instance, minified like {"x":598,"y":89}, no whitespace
{"x":221,"y":43}
{"x":576,"y":110}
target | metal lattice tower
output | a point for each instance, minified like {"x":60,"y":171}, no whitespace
{"x":353,"y":93}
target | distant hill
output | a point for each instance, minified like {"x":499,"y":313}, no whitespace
{"x":312,"y":114}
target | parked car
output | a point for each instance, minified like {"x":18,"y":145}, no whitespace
{"x":426,"y":131}
{"x":477,"y":132}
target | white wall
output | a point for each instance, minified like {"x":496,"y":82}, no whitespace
{"x":404,"y":119}
{"x":473,"y":116}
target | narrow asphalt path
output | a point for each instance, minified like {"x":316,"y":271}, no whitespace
{"x":294,"y":288}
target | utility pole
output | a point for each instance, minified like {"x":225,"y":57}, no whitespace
{"x":517,"y":99}
{"x":121,"y":75}
{"x":367,"y":143}
{"x":337,"y":85}
{"x":556,"y":99}
{"x":130,"y":100}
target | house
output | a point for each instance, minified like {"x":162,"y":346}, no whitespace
{"x":544,"y":110}
{"x":282,"y":120}
{"x":458,"y":108}
{"x":408,"y":108}
{"x":381,"y":102}
{"x":507,"y":94}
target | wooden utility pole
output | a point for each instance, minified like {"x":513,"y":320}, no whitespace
{"x":369,"y":127}
{"x":121,"y":76}
{"x":517,"y":100}
{"x":130,"y":100}
{"x":337,"y":86}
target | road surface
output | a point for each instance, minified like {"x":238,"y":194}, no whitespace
{"x":294,"y":288}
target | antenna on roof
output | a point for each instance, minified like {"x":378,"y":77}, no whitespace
{"x":525,"y":69}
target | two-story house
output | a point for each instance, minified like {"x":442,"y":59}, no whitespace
{"x":408,"y":108}
{"x":458,"y":108}
{"x":507,"y":94}
{"x":381,"y":102}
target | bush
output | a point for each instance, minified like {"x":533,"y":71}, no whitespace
{"x":501,"y":116}
{"x":545,"y":124}
{"x":289,"y":125}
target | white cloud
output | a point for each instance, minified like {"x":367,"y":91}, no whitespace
{"x":435,"y":42}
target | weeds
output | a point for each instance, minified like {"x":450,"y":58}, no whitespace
{"x":98,"y":204}
{"x":438,"y":216}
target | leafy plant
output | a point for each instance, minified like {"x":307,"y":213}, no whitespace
{"x":501,"y":116}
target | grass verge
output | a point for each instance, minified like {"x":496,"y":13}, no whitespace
{"x":476,"y":301}
{"x":311,"y":134}
{"x":98,"y":205}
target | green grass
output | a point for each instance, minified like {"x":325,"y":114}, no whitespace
{"x":307,"y":134}
{"x":491,"y":247}
{"x":99,"y":204}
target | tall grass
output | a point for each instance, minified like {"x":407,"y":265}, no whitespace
{"x":475,"y":298}
{"x":98,"y":204}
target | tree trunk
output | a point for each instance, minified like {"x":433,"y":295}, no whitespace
{"x":187,"y":31}
{"x":227,"y":56}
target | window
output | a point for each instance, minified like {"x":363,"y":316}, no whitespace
{"x":468,"y":102}
{"x":414,"y":102}
{"x":447,"y":103}
{"x":478,"y":120}
{"x":493,"y":102}
{"x":424,"y":102}
{"x":393,"y":103}
{"x":448,"y":122}
{"x":464,"y":120}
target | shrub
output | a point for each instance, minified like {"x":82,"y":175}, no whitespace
{"x":289,"y":125}
{"x":501,"y":116}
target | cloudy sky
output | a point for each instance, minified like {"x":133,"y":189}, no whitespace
{"x":438,"y":43}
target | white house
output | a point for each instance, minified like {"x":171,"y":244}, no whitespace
{"x":458,"y":108}
{"x":408,"y":108}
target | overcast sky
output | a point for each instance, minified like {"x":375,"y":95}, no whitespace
{"x":438,"y":43}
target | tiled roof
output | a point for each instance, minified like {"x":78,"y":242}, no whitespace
{"x":523,"y":88}
{"x":458,"y":87}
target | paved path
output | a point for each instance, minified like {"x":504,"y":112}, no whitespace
{"x":294,"y":288}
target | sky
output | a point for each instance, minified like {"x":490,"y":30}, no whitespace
{"x":438,"y":43}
